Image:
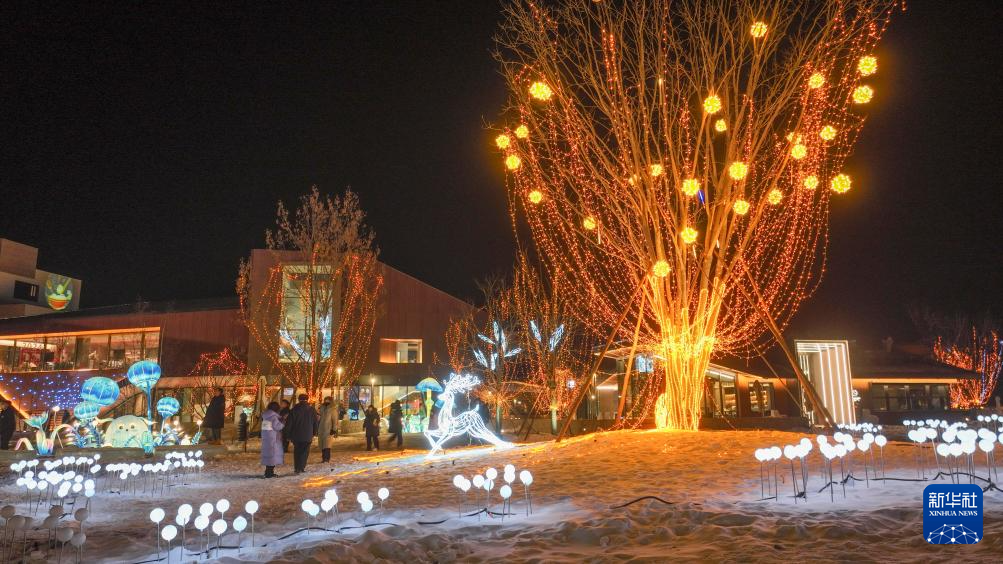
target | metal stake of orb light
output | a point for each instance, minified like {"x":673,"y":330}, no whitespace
{"x":169,"y":532}
{"x":526,"y":477}
{"x":157,"y":515}
{"x":239,"y":524}
{"x":331,"y":498}
{"x":251,"y":507}
{"x":218,"y":527}
{"x":463,"y":485}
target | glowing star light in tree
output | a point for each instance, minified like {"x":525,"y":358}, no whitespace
{"x":645,"y":82}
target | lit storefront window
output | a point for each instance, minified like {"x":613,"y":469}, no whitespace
{"x":74,"y":351}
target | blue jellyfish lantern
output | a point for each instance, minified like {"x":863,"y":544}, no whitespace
{"x":144,"y":375}
{"x":167,"y":407}
{"x":100,"y":390}
{"x":86,"y":411}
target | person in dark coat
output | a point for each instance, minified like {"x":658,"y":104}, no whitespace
{"x":8,"y":422}
{"x":395,"y":423}
{"x":215,"y":416}
{"x":284,"y":414}
{"x":302,"y":426}
{"x":372,"y":427}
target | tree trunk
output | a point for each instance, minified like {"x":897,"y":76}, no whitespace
{"x":498,"y":415}
{"x":553,"y":420}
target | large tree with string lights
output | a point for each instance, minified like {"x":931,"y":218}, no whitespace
{"x":674,"y":161}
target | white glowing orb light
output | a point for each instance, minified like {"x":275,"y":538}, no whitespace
{"x":491,"y":474}
{"x":505,"y":491}
{"x":478,"y":481}
{"x":955,"y":449}
{"x":458,"y":481}
{"x":169,"y":533}
{"x":986,"y":446}
{"x":383,"y":494}
{"x":222,"y":506}
{"x":363,"y":496}
{"x":306,"y":505}
{"x":327,"y":504}
{"x":205,"y":509}
{"x":157,"y":515}
{"x":880,"y":440}
{"x":943,"y":449}
{"x":251,"y":507}
{"x":526,"y":477}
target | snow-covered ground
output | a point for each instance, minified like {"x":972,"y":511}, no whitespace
{"x":710,"y":480}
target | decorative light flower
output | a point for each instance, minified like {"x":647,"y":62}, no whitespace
{"x":535,"y":196}
{"x":503,"y":141}
{"x":589,"y":223}
{"x":741,"y":207}
{"x":500,"y":344}
{"x":541,"y":91}
{"x":840,"y":183}
{"x":738,"y":170}
{"x":656,"y":170}
{"x":810,"y":182}
{"x":816,"y":80}
{"x":144,"y":375}
{"x":799,"y":151}
{"x":513,"y":162}
{"x":553,"y":340}
{"x":720,"y":126}
{"x":661,"y":268}
{"x":862,"y":94}
{"x":712,"y":104}
{"x":867,"y":65}
{"x":758,"y":29}
{"x":691,"y":186}
{"x":775,"y":196}
{"x":38,"y":421}
{"x":168,"y":406}
{"x":522,"y":132}
{"x":688,"y":235}
{"x":827,"y":133}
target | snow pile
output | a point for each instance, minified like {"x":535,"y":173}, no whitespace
{"x":584,"y":499}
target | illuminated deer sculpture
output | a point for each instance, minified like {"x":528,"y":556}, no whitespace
{"x":467,"y":422}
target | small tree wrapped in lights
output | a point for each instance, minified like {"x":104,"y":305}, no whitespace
{"x":314,"y":314}
{"x":674,"y":160}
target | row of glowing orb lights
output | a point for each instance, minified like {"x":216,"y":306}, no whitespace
{"x":841,"y":450}
{"x":953,"y":449}
{"x":59,"y":484}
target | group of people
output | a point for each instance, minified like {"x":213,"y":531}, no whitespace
{"x":282,"y":425}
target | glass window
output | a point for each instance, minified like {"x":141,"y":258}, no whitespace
{"x":63,"y":351}
{"x":761,"y":397}
{"x":30,"y":353}
{"x":92,"y":352}
{"x":151,"y":346}
{"x":8,"y":355}
{"x":409,"y":352}
{"x":125,"y":350}
{"x":306,"y":321}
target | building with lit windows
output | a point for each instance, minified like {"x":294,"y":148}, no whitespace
{"x":45,"y":358}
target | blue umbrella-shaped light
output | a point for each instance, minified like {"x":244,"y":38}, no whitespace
{"x":100,"y":390}
{"x":86,"y":411}
{"x":144,"y":375}
{"x":167,"y":407}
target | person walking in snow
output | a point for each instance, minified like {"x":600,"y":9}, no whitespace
{"x":215,"y":417}
{"x":372,"y":427}
{"x":328,"y":424}
{"x":271,"y":439}
{"x":302,"y":427}
{"x":395,"y":423}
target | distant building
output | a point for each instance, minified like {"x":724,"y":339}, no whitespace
{"x":26,"y":290}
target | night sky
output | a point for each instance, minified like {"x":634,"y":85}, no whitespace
{"x":145,"y":147}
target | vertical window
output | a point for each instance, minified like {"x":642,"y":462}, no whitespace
{"x":25,"y":291}
{"x":151,"y":346}
{"x":306,"y":314}
{"x":126,"y":349}
{"x":63,"y":351}
{"x":92,"y":352}
{"x":400,"y":351}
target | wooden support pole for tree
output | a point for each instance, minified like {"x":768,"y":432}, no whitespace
{"x":806,"y":385}
{"x":630,"y":361}
{"x":595,"y":366}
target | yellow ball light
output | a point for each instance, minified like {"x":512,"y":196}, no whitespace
{"x":503,"y":141}
{"x":867,"y":65}
{"x":513,"y":162}
{"x":816,"y":80}
{"x":862,"y":94}
{"x":774,"y":197}
{"x":712,"y":104}
{"x":758,"y":29}
{"x":589,"y":223}
{"x":535,"y":196}
{"x":721,"y":126}
{"x":738,"y":170}
{"x":540,"y":91}
{"x":799,"y":151}
{"x":691,"y":186}
{"x":810,"y":182}
{"x":840,"y":183}
{"x":522,"y":132}
{"x":661,"y":269}
{"x":741,"y":207}
{"x":656,"y":170}
{"x":828,"y":133}
{"x":688,"y":235}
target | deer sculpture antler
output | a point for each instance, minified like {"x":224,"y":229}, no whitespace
{"x":461,"y":382}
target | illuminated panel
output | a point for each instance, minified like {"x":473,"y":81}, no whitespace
{"x":827,"y":366}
